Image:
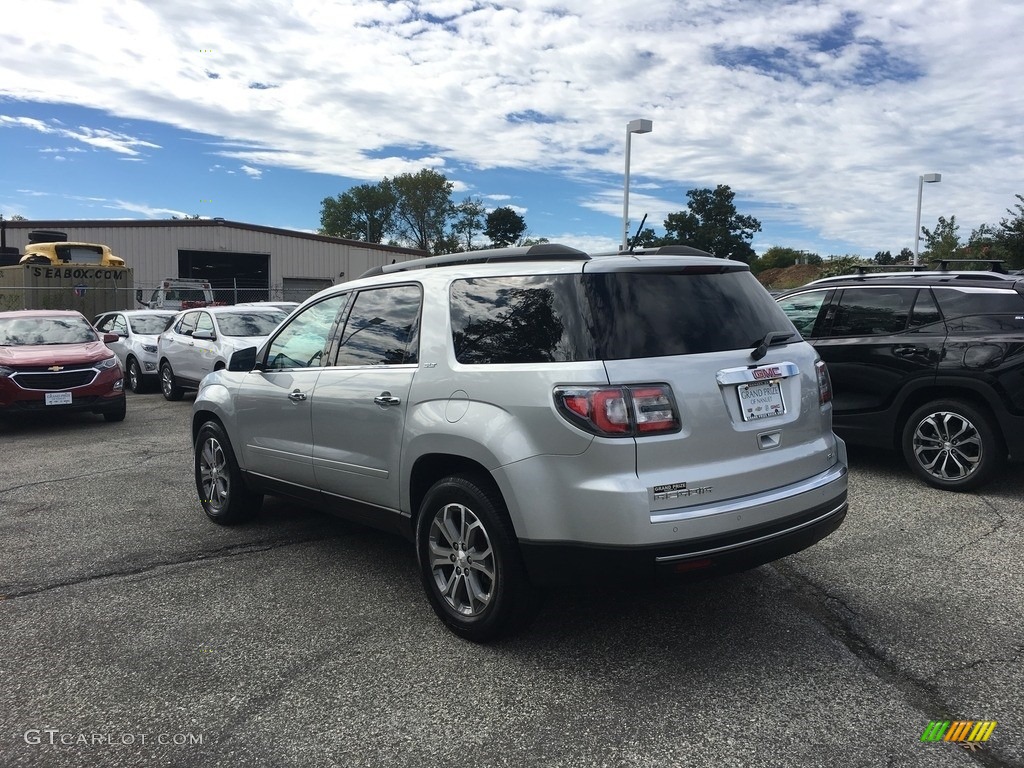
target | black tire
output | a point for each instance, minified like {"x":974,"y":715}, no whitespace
{"x":47,"y":236}
{"x":171,"y":390}
{"x":133,"y":376}
{"x":953,"y":445}
{"x":118,"y":412}
{"x":222,"y":490}
{"x":461,"y":516}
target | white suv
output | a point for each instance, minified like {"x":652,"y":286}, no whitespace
{"x":137,"y":330}
{"x":199,"y":341}
{"x":532,"y":416}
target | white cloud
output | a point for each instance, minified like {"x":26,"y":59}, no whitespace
{"x":99,"y":138}
{"x":823,"y":113}
{"x":252,"y":173}
{"x":144,"y":209}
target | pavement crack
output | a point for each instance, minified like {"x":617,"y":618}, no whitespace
{"x":949,"y":670}
{"x":235,"y":550}
{"x":52,"y":480}
{"x":920,"y":693}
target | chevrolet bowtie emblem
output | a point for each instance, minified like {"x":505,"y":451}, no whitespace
{"x":55,"y":368}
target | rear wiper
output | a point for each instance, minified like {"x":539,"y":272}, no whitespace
{"x":770,"y":338}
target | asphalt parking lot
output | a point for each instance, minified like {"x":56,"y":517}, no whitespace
{"x":136,"y":633}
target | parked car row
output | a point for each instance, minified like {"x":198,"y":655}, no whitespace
{"x":534,"y":416}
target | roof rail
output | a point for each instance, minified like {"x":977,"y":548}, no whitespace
{"x":994,"y":265}
{"x":539,"y":252}
{"x":864,"y":269}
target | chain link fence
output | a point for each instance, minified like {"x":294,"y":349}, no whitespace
{"x":92,"y":300}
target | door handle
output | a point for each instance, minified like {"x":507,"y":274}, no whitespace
{"x":297,"y":396}
{"x":907,"y":351}
{"x":385,"y":399}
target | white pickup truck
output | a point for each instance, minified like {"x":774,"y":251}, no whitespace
{"x":178,"y":293}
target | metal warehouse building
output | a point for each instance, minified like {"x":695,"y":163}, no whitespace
{"x":244,"y":262}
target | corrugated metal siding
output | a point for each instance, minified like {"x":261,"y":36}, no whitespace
{"x":152,"y":251}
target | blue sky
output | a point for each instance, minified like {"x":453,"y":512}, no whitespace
{"x":819,"y":115}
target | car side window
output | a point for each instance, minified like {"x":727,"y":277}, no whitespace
{"x":872,"y":311}
{"x":104,"y":322}
{"x":305,"y":340}
{"x":119,"y":326}
{"x":204,"y":323}
{"x":382,"y":327}
{"x":804,"y":309}
{"x":926,"y":311}
{"x":981,"y":310}
{"x":187,"y":324}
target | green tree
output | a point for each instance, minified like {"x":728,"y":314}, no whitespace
{"x":943,"y":242}
{"x":646,"y":239}
{"x":504,"y":226}
{"x":884,"y":258}
{"x":365,"y":212}
{"x":777,"y":257}
{"x":1010,"y":235}
{"x":13,"y":217}
{"x":469,"y":221}
{"x":712,"y":224}
{"x":423,"y":208}
{"x":906,"y":256}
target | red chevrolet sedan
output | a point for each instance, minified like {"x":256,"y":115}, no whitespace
{"x":56,"y":361}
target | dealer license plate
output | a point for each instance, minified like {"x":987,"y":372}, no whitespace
{"x":761,"y":400}
{"x":58,"y":398}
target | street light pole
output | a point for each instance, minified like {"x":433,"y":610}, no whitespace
{"x":633,"y":126}
{"x":930,"y":178}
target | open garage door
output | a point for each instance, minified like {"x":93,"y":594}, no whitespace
{"x":234,"y":276}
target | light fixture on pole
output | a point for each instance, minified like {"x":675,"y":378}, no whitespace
{"x":930,"y":178}
{"x":633,"y":126}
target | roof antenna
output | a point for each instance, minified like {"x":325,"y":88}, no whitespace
{"x":632,"y":242}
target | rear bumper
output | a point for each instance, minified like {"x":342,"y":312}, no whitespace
{"x":559,"y":563}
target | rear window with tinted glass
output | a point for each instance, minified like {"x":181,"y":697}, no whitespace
{"x":609,"y":316}
{"x":981,"y":310}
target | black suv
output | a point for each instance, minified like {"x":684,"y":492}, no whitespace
{"x":929,"y":363}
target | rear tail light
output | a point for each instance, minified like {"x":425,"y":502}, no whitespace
{"x":824,"y":383}
{"x":636,"y":410}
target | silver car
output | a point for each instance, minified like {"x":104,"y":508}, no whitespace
{"x":200,"y":341}
{"x":535,"y":416}
{"x":137,"y":330}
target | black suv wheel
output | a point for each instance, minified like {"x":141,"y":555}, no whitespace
{"x":953,"y":445}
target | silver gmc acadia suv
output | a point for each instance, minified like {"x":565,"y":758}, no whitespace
{"x":535,"y":416}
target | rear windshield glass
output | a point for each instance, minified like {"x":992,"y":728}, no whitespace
{"x":150,"y":324}
{"x":609,"y":316}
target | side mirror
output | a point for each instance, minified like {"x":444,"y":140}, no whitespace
{"x":110,"y":338}
{"x":204,"y":335}
{"x":243,"y":360}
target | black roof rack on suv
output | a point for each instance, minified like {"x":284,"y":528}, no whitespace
{"x":994,"y":265}
{"x":539,"y":252}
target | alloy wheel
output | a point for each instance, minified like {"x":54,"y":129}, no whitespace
{"x":948,"y":446}
{"x":214,"y":474}
{"x":461,"y":560}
